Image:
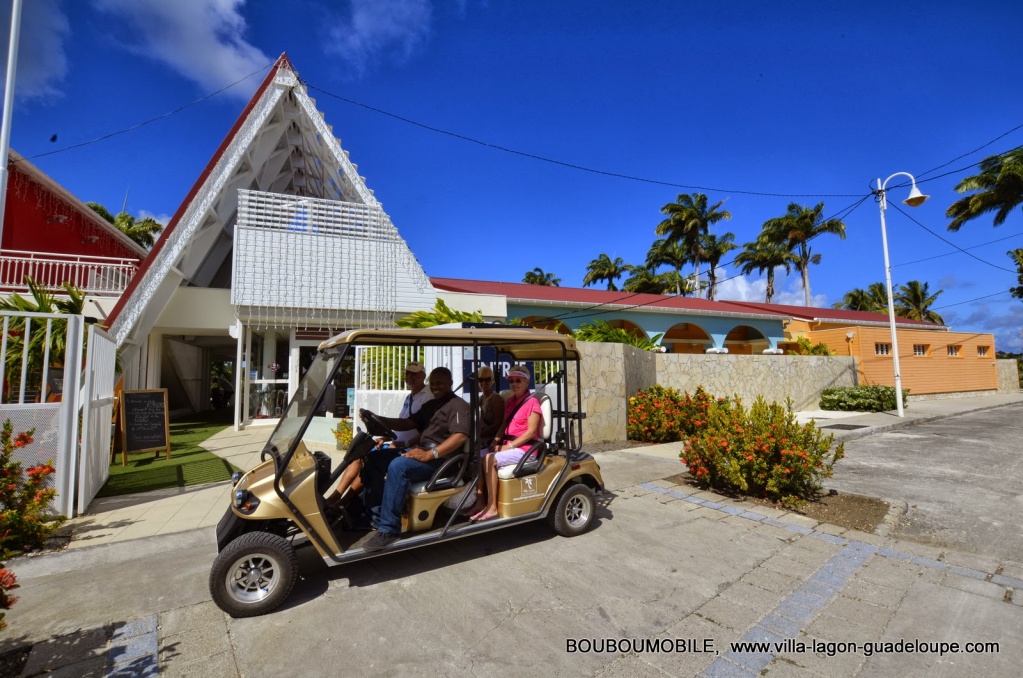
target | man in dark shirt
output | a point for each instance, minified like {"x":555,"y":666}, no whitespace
{"x":444,"y":427}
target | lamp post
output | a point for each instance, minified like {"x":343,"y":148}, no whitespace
{"x":915,"y":199}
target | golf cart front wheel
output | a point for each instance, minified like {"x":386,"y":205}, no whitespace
{"x":253,"y":575}
{"x":574,"y":511}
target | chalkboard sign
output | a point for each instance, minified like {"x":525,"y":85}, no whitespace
{"x":144,"y":425}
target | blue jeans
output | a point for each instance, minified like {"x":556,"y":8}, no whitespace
{"x":401,"y":473}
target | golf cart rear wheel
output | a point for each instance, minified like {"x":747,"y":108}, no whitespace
{"x":253,"y":575}
{"x":574,"y":511}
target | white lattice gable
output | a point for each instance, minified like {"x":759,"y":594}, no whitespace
{"x":282,"y":145}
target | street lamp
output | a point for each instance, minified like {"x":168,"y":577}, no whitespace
{"x":915,"y":199}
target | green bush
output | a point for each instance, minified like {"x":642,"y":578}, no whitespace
{"x":805,"y":347}
{"x":761,"y":452}
{"x":26,"y":519}
{"x":861,"y":398}
{"x":665,"y":415}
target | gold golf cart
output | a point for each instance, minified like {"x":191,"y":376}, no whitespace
{"x":279,"y":505}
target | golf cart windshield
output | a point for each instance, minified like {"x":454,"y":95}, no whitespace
{"x":308,"y":400}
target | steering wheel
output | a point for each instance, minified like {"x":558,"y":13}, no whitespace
{"x":375,"y":425}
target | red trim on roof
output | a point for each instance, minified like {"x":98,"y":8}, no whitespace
{"x":282,"y":62}
{"x":577,"y":295}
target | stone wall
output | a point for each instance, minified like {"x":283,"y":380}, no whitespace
{"x":1008,"y":375}
{"x":776,"y":377}
{"x":611,"y":373}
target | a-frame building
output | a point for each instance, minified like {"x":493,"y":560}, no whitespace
{"x":278,"y":244}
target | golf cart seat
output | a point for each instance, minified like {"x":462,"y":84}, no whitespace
{"x":532,"y":461}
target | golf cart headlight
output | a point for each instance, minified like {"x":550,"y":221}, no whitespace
{"x":235,"y":477}
{"x":245,"y":502}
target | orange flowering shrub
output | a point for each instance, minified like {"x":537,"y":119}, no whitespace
{"x":665,"y":415}
{"x":760,"y":452}
{"x":25,"y":516}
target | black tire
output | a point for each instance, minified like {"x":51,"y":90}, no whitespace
{"x":253,"y":575}
{"x":574,"y":510}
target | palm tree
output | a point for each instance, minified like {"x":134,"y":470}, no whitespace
{"x":914,"y":300}
{"x":601,"y":330}
{"x":688,"y":218}
{"x":999,"y":189}
{"x":440,"y":314}
{"x":665,"y":252}
{"x":714,"y":248}
{"x":645,"y":281}
{"x":874,"y":299}
{"x":1017,"y":258}
{"x":764,"y":256}
{"x":42,"y":301}
{"x":142,"y":231}
{"x":603,"y":268}
{"x":538,"y":277}
{"x":796,"y":229}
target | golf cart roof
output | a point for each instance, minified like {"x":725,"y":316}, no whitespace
{"x":525,"y":343}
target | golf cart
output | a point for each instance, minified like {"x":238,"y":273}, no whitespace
{"x":279,"y":506}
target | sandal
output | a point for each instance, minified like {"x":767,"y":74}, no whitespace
{"x":483,"y":517}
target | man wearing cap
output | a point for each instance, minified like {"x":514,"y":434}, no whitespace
{"x":415,"y":379}
{"x":444,"y":426}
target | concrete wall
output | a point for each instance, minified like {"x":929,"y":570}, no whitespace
{"x":611,"y":373}
{"x":1008,"y":375}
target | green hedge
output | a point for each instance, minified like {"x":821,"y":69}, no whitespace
{"x":861,"y":398}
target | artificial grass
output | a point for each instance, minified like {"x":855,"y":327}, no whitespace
{"x":189,"y":464}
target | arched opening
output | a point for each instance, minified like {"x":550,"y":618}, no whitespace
{"x":746,"y":340}
{"x":686,"y":338}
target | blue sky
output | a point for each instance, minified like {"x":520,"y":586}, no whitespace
{"x":802,"y":101}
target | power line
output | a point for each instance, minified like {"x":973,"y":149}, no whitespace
{"x":970,"y":301}
{"x":948,"y":254}
{"x":581,"y":313}
{"x":949,"y":242}
{"x":562,"y":163}
{"x":979,"y":148}
{"x":151,"y":120}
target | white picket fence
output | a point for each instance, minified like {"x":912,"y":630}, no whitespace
{"x":48,"y":398}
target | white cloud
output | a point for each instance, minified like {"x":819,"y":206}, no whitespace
{"x":787,"y":290}
{"x":376,"y":29}
{"x":740,"y":288}
{"x":202,"y":40}
{"x":159,"y":218}
{"x":42,"y":64}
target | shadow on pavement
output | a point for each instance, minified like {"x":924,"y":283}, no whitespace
{"x":314,"y":575}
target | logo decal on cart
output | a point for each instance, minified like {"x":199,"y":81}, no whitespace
{"x":527,"y":486}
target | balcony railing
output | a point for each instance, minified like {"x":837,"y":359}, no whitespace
{"x":98,"y":276}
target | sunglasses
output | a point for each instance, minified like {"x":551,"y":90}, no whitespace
{"x":517,"y":381}
{"x":486,"y":380}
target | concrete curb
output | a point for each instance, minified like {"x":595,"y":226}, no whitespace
{"x":871,"y":430}
{"x":112,"y":553}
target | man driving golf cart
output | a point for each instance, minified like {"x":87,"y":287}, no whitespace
{"x":443,"y":424}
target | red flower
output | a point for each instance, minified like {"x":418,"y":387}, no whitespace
{"x":23,"y":439}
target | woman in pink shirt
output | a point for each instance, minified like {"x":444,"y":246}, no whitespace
{"x":524,"y":421}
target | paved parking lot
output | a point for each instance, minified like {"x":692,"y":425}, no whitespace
{"x":960,"y":478}
{"x":669,"y":575}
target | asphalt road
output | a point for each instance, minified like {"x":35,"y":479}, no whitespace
{"x":961,"y":478}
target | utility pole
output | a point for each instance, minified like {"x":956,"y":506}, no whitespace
{"x":5,"y":129}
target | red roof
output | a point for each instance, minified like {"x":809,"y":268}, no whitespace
{"x":629,"y":300}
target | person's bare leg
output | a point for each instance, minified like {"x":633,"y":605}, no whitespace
{"x":491,"y":510}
